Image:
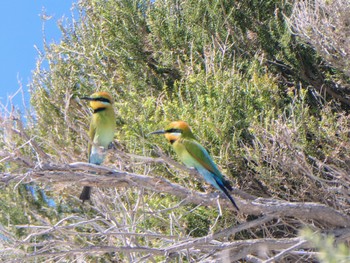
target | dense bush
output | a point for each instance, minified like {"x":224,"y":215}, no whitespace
{"x":250,"y":90}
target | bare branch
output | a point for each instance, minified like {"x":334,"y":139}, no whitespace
{"x":325,"y":24}
{"x":286,"y":251}
{"x":92,"y":250}
{"x":237,"y":250}
{"x":101,"y":176}
{"x":227,"y":232}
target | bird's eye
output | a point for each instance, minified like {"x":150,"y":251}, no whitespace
{"x":102,"y":99}
{"x":173,"y":130}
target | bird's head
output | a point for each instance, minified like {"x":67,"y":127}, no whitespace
{"x":176,"y":130}
{"x":99,"y":100}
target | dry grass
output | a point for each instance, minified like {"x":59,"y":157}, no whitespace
{"x":325,"y":25}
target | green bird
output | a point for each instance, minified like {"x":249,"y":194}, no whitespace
{"x":101,"y":131}
{"x":194,"y":155}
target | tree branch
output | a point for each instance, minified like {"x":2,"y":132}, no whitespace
{"x":101,"y":176}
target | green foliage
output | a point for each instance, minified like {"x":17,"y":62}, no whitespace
{"x":165,"y":61}
{"x":231,"y":69}
{"x":329,"y":252}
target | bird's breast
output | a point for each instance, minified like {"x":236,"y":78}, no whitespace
{"x":103,"y":137}
{"x":102,"y":134}
{"x":184,"y":155}
{"x":104,"y":129}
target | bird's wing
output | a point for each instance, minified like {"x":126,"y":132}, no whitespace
{"x":201,"y":155}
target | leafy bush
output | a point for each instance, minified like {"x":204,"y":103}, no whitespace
{"x":235,"y":73}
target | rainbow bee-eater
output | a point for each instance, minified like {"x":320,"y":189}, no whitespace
{"x":101,"y":131}
{"x":194,"y":155}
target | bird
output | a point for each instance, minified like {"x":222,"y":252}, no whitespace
{"x":194,"y":155}
{"x":101,"y":133}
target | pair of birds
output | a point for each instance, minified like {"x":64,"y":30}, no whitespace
{"x":178,"y":133}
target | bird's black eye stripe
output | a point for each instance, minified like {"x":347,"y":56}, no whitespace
{"x":172,"y":130}
{"x":102,"y":99}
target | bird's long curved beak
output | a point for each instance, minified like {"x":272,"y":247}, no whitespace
{"x":157,"y":132}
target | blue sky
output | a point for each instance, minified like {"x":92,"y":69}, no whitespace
{"x":21,"y":28}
